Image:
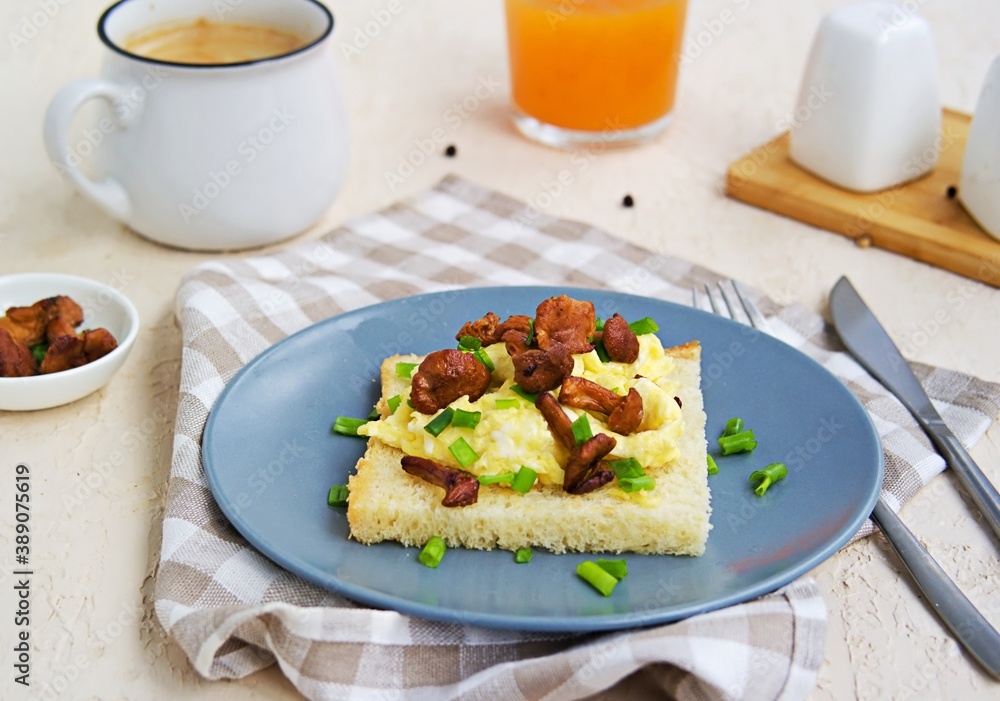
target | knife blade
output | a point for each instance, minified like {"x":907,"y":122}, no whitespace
{"x":868,"y":342}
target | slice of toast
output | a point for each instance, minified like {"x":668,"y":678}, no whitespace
{"x":386,"y":503}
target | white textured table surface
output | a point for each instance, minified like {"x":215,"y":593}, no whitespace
{"x":100,"y":464}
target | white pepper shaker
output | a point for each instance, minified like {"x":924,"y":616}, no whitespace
{"x":868,"y":115}
{"x":979,"y":186}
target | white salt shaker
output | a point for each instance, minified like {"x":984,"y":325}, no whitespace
{"x":868,"y":114}
{"x":979,"y":186}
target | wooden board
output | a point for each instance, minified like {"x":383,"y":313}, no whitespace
{"x":917,"y":219}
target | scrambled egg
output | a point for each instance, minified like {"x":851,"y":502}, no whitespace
{"x":507,"y":438}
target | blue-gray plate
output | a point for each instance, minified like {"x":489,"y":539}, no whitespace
{"x":270,"y":459}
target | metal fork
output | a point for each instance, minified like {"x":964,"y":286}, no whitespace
{"x":730,"y":308}
{"x":980,"y":639}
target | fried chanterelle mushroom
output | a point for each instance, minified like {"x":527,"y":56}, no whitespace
{"x":624,"y":412}
{"x":16,"y":359}
{"x":446,"y":375}
{"x":584,"y":471}
{"x":72,"y":351}
{"x":461,"y":488}
{"x":620,"y":341}
{"x":565,"y":320}
{"x":537,"y":370}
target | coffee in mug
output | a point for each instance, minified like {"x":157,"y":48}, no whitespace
{"x":210,"y":151}
{"x":205,"y":42}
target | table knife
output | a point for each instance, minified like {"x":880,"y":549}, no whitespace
{"x":871,"y":346}
{"x":867,"y":341}
{"x":967,"y":624}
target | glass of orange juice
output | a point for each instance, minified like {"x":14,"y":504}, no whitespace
{"x":589,"y":71}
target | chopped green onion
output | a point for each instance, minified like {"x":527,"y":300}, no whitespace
{"x":440,"y":422}
{"x":463,"y":452}
{"x":524,"y":480}
{"x":409,"y":403}
{"x":774,"y":472}
{"x":733,"y":426}
{"x":523,"y":393}
{"x":508,"y":404}
{"x":742,"y":442}
{"x":627,"y":467}
{"x":523,"y":556}
{"x":503,"y":478}
{"x":630,"y":475}
{"x":405,"y":369}
{"x":643,"y":326}
{"x":393,"y":403}
{"x":483,"y":357}
{"x":602,"y":352}
{"x":712,"y":466}
{"x":433,"y":552}
{"x":616,"y":568}
{"x":337,"y":495}
{"x":347,"y":426}
{"x":599,"y":324}
{"x":373,"y":415}
{"x":39,"y":351}
{"x":635,"y":484}
{"x":469,"y":343}
{"x":592,"y":574}
{"x":466,"y":419}
{"x":531,"y":332}
{"x":581,"y":429}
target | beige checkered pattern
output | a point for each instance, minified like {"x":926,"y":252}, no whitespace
{"x":234,"y":612}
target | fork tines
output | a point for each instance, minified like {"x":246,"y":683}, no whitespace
{"x":730,"y":300}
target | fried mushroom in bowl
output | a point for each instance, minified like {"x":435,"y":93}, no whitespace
{"x":62,"y":337}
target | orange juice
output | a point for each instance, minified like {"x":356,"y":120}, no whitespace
{"x":595,"y":65}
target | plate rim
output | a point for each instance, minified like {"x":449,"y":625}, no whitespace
{"x":555,"y":624}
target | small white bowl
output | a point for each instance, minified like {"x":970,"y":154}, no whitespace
{"x":103,"y":307}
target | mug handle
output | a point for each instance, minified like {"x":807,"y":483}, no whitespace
{"x":108,"y":193}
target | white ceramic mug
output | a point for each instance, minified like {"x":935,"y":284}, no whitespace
{"x":209,"y":157}
{"x":868,"y":115}
{"x":979,"y":187}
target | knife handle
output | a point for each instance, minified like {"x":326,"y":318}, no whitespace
{"x":980,"y":489}
{"x":973,"y":631}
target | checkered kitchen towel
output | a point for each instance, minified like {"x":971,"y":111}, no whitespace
{"x":459,"y":234}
